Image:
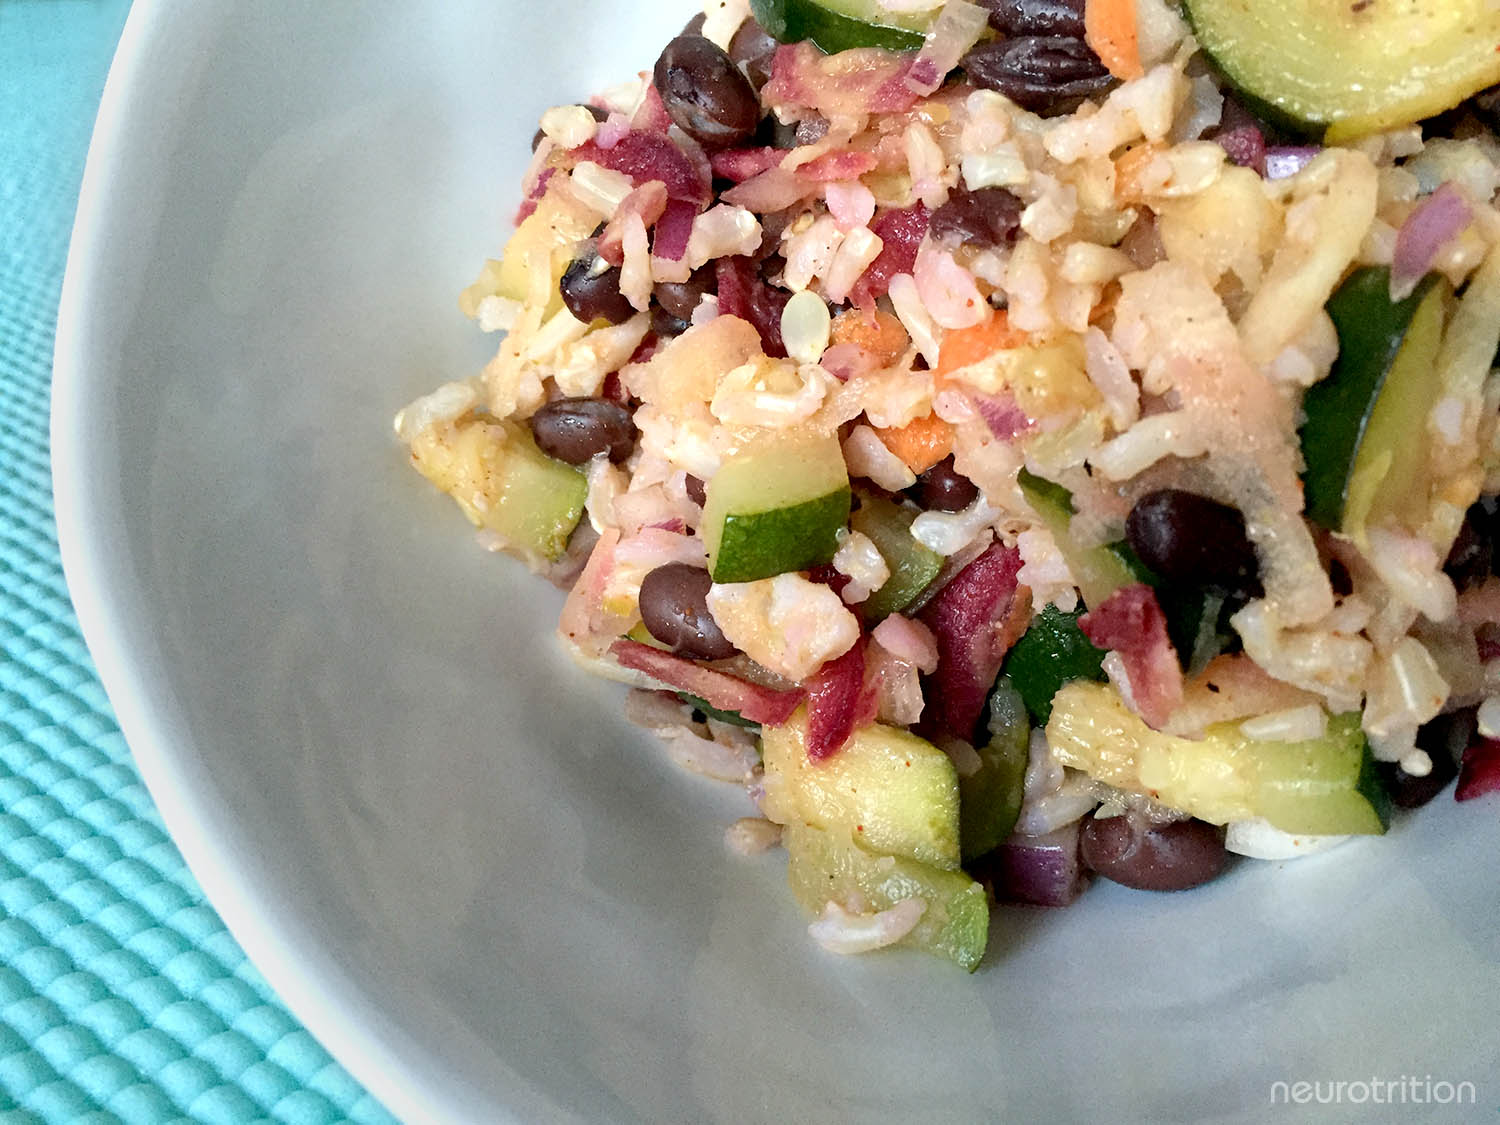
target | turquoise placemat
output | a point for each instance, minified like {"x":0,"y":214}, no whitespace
{"x":122,"y":996}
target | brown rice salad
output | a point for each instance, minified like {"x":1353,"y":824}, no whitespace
{"x":1016,"y":440}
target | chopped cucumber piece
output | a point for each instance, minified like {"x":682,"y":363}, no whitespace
{"x":1098,"y":571}
{"x":1363,"y":439}
{"x":990,"y":798}
{"x":825,"y":864}
{"x":913,"y":566}
{"x":1348,"y":69}
{"x":892,"y":791}
{"x":545,"y":240}
{"x":776,"y":509}
{"x":504,"y":483}
{"x":841,"y":25}
{"x":1052,"y":652}
{"x":1322,"y":786}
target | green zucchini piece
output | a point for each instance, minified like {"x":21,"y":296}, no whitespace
{"x":776,"y":509}
{"x":989,"y":800}
{"x":1319,"y":787}
{"x":1353,"y":67}
{"x":504,"y":483}
{"x":825,"y":864}
{"x":1052,"y":652}
{"x":1099,"y":571}
{"x":894,"y":792}
{"x":1192,"y":615}
{"x":913,"y":566}
{"x":1362,"y":440}
{"x":841,"y":25}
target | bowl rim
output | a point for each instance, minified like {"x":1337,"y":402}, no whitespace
{"x":305,"y":976}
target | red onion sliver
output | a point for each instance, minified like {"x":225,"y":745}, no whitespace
{"x":1245,"y":145}
{"x":957,"y":28}
{"x":1433,"y":223}
{"x":1005,"y":419}
{"x":1039,"y":870}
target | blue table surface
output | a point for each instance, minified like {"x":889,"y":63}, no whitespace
{"x":122,"y":995}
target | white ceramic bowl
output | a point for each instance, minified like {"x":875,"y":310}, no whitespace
{"x":488,"y":896}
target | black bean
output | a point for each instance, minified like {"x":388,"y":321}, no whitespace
{"x":1165,"y":857}
{"x":705,"y":93}
{"x":665,"y":325}
{"x":771,"y":133}
{"x":986,"y":217}
{"x":695,"y":490}
{"x":577,"y":429}
{"x":1036,"y":17}
{"x":591,"y":290}
{"x":944,"y":489}
{"x":772,"y":227}
{"x":1038,"y":72}
{"x":1444,"y":739}
{"x":600,"y":115}
{"x":1487,"y":105}
{"x":1340,"y":578}
{"x":1473,"y":557}
{"x":753,"y":48}
{"x":1194,"y":541}
{"x":680,"y":298}
{"x":674,"y":606}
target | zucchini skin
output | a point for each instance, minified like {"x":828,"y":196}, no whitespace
{"x":1279,"y":119}
{"x":792,"y":21}
{"x":1371,"y":330}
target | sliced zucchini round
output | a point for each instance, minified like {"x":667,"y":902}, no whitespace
{"x":842,"y":25}
{"x":1353,"y":67}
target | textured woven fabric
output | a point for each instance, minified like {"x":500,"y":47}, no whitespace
{"x":122,"y":996}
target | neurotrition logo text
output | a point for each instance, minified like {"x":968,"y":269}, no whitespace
{"x":1405,"y":1089}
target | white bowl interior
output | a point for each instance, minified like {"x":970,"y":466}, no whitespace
{"x":487,"y":894}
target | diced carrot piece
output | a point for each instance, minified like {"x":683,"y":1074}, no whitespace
{"x":1109,"y":28}
{"x":964,"y":346}
{"x":1130,"y":167}
{"x":877,"y":331}
{"x":921,"y":443}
